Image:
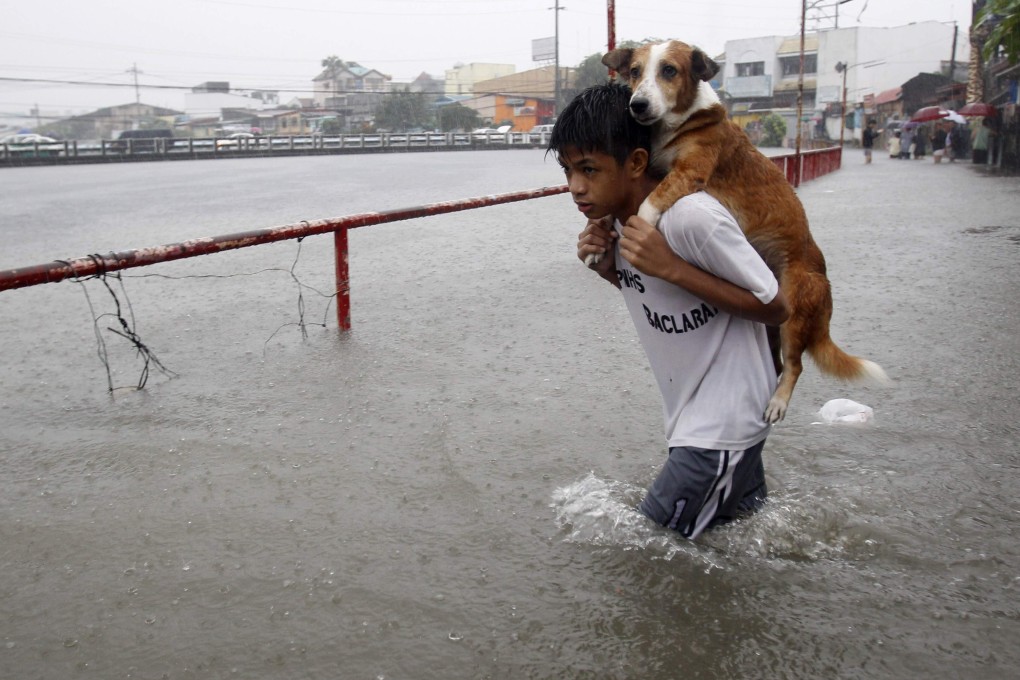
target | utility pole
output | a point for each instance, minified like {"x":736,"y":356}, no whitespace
{"x":135,"y":71}
{"x":952,"y":57}
{"x":556,"y":77}
{"x":800,"y":92}
{"x":821,"y":13}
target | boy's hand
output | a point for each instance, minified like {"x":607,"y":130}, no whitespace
{"x":644,"y":247}
{"x":597,"y":238}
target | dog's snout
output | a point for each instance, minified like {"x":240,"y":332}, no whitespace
{"x":638,"y":105}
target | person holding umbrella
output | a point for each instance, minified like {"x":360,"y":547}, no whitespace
{"x":938,"y":143}
{"x":920,"y":141}
{"x":906,"y":140}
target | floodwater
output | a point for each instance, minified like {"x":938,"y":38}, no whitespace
{"x":445,"y":491}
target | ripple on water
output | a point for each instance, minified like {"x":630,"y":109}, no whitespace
{"x":794,"y":527}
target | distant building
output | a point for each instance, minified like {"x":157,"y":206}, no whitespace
{"x":427,"y":84}
{"x":762,"y":75}
{"x":461,"y":79}
{"x":108,"y":122}
{"x":525,"y":99}
{"x":210,"y":98}
{"x":353,"y":90}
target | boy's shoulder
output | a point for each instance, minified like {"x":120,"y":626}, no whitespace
{"x":699,"y":207}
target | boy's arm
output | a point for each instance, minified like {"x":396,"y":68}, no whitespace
{"x":644,"y":247}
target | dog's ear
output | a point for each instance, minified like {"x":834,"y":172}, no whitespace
{"x":619,"y":59}
{"x":702,"y":67}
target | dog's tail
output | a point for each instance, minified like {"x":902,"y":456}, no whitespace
{"x":837,"y":363}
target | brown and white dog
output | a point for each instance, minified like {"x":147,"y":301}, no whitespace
{"x":697,"y":148}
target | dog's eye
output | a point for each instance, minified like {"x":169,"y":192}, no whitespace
{"x":635,"y":72}
{"x":668,"y":71}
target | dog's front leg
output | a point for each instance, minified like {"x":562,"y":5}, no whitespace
{"x":686,"y":177}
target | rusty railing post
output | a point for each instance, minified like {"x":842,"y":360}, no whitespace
{"x":343,"y":281}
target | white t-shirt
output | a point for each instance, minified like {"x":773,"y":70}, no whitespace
{"x":714,"y":370}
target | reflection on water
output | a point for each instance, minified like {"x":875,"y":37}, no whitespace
{"x":448,"y":490}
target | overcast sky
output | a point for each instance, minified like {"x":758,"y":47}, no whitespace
{"x":279,"y":44}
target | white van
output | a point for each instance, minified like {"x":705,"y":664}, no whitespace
{"x":542,"y":130}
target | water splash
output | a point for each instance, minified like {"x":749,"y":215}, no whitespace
{"x":604,"y":513}
{"x":799,"y":527}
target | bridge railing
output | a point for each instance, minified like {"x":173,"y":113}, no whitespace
{"x":807,"y":166}
{"x":98,"y":264}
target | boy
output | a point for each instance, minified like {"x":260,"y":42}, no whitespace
{"x":698,"y":294}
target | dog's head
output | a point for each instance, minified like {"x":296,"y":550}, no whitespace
{"x":666,"y":79}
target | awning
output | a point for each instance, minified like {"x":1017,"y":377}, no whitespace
{"x":792,"y":45}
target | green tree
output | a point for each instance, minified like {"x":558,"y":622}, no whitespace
{"x":332,"y":62}
{"x":332,"y":126}
{"x":1002,"y":17}
{"x":456,"y":116}
{"x":591,"y":71}
{"x":402,"y":111}
{"x":773,"y":130}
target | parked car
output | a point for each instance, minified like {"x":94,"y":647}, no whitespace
{"x":542,"y":130}
{"x":26,"y":138}
{"x":31,"y":144}
{"x":143,"y":141}
{"x":234,"y":140}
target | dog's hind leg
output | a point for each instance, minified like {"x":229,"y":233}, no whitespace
{"x":775,"y":346}
{"x":793,"y":344}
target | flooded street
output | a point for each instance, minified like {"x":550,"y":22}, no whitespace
{"x":445,"y":492}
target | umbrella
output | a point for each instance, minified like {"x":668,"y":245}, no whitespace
{"x":978,"y":109}
{"x":956,"y":118}
{"x":928,"y":113}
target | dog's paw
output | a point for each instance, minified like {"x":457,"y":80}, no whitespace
{"x":775,"y":411}
{"x":649,"y":213}
{"x":592,"y":259}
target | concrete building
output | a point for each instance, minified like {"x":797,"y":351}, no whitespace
{"x":524,"y":99}
{"x":353,"y":90}
{"x":210,"y":98}
{"x":760,"y":75}
{"x":108,"y":122}
{"x":461,"y":79}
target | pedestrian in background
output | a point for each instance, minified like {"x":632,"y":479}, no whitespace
{"x":938,"y":143}
{"x":906,"y":142}
{"x":894,"y":145}
{"x":920,"y":142}
{"x":979,"y":143}
{"x":868,"y":137}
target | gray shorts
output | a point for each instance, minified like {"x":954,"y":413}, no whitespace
{"x":698,"y":489}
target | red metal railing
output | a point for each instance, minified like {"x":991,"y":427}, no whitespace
{"x":809,"y":165}
{"x":803,"y":167}
{"x":90,"y":265}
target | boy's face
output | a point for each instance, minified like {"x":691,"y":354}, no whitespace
{"x":599,"y":185}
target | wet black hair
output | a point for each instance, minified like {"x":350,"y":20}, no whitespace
{"x":598,"y":119}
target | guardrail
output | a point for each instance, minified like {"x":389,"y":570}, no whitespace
{"x":808,"y":165}
{"x":96,"y":264}
{"x":160,"y":148}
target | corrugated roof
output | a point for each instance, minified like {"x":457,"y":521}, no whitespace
{"x":888,"y":96}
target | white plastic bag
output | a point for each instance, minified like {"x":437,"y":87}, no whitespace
{"x":845,"y":411}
